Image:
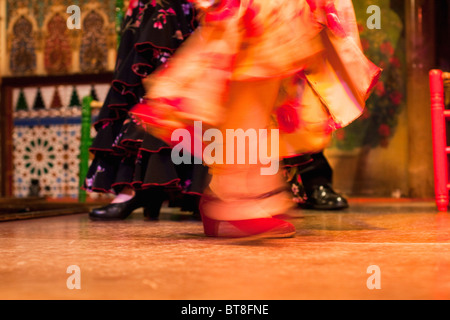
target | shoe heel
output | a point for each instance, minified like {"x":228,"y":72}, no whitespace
{"x":151,"y":212}
{"x":210,"y":226}
{"x":154,"y":201}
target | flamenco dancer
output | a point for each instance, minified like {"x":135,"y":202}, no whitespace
{"x":295,"y":66}
{"x":128,"y":161}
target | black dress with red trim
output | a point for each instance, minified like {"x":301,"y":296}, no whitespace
{"x":124,"y":154}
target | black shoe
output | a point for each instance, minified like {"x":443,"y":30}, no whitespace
{"x":116,"y":211}
{"x":151,"y":200}
{"x":324,"y":198}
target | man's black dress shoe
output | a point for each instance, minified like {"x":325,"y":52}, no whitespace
{"x":323,"y":197}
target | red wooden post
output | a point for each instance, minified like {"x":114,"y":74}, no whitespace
{"x":439,"y":140}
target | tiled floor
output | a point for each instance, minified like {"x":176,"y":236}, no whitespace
{"x":330,"y":257}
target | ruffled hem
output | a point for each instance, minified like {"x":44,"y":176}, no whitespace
{"x":124,"y":154}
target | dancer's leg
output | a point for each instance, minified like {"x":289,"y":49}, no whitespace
{"x":127,"y":193}
{"x":239,"y":191}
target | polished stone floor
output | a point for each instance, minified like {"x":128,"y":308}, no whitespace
{"x":332,"y":257}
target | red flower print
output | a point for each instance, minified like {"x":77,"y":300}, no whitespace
{"x":287,"y":116}
{"x":133,"y":4}
{"x":161,"y":20}
{"x":396,"y":97}
{"x":253,"y":27}
{"x":225,"y":10}
{"x":395,"y":62}
{"x":333,"y":22}
{"x":380,"y":89}
{"x":386,"y":48}
{"x":158,"y":25}
{"x":384,"y":131}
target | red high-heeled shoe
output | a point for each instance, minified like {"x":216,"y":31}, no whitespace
{"x":253,"y":228}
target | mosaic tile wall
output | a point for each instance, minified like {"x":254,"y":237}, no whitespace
{"x":39,"y":41}
{"x":46,"y":138}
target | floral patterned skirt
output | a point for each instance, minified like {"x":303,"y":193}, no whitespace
{"x":313,"y":50}
{"x":124,"y":153}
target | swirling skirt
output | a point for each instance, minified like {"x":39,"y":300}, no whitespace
{"x":124,"y":153}
{"x":314,"y":51}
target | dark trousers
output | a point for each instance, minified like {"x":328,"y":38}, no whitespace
{"x":315,"y":173}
